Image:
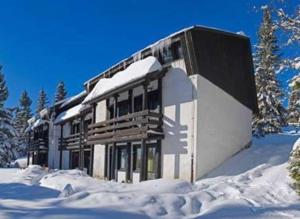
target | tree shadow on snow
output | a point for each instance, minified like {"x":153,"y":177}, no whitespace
{"x":21,"y":191}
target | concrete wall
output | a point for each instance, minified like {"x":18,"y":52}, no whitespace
{"x":178,"y":108}
{"x":223,"y":126}
{"x":99,"y":150}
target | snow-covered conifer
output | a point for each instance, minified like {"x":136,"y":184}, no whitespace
{"x":7,"y":131}
{"x":42,"y":101}
{"x":23,"y":114}
{"x":61,"y":92}
{"x":294,"y":166}
{"x":272,"y":114}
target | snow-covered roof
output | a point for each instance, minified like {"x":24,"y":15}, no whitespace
{"x":68,"y":114}
{"x":34,"y":122}
{"x":44,"y":112}
{"x":73,"y":98}
{"x":134,"y":71}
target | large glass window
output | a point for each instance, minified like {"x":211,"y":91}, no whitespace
{"x":151,"y":162}
{"x":137,"y":158}
{"x":122,"y":158}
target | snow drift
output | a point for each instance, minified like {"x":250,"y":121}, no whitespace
{"x":253,"y":184}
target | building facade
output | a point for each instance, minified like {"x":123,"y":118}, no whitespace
{"x":176,"y":109}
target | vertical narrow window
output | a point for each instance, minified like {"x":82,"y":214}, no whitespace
{"x":122,"y":156}
{"x":137,"y":158}
{"x":138,"y":103}
{"x":151,"y":162}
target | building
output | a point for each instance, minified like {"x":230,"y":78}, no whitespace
{"x":176,"y":109}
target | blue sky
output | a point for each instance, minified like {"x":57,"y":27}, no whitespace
{"x":44,"y":42}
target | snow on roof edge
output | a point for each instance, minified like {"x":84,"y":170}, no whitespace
{"x":68,"y":114}
{"x":73,"y":98}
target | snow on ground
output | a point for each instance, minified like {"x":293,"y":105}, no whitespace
{"x":19,"y":163}
{"x":253,"y":184}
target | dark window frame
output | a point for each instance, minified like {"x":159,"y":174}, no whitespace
{"x":119,"y":162}
{"x":136,"y":147}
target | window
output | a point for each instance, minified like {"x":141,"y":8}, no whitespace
{"x":153,"y":100}
{"x":123,"y":108}
{"x":137,"y":158}
{"x":86,"y":124}
{"x":170,"y":53}
{"x":75,"y":128}
{"x":122,"y":158}
{"x":74,"y":159}
{"x":138,"y":103}
{"x":151,"y":162}
{"x":111,"y":111}
{"x":177,"y":50}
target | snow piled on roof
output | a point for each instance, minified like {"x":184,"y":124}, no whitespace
{"x":68,"y":114}
{"x":73,"y":98}
{"x":134,"y":71}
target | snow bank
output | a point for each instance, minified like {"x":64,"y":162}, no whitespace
{"x":134,"y":71}
{"x":19,"y":163}
{"x":296,"y":145}
{"x":31,"y":175}
{"x":253,"y":184}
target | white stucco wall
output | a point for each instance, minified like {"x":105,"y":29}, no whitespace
{"x":177,"y":98}
{"x":53,"y":153}
{"x":223,"y":126}
{"x":99,"y":150}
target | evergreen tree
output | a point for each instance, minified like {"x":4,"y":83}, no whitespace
{"x":23,"y":114}
{"x":272,"y":114}
{"x":294,"y":167}
{"x":7,"y":131}
{"x":42,"y":101}
{"x":294,"y":101}
{"x":61,"y":92}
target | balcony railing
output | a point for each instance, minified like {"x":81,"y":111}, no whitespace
{"x":135,"y":126}
{"x":73,"y":141}
{"x":38,"y":144}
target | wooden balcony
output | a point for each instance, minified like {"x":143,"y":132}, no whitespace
{"x":135,"y":126}
{"x":73,"y":141}
{"x":38,"y":144}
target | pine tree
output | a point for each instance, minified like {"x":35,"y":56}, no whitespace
{"x":294,"y":102}
{"x":7,"y":131}
{"x":42,"y":101}
{"x":294,"y":167}
{"x":61,"y":92}
{"x":272,"y":114}
{"x":23,"y":114}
